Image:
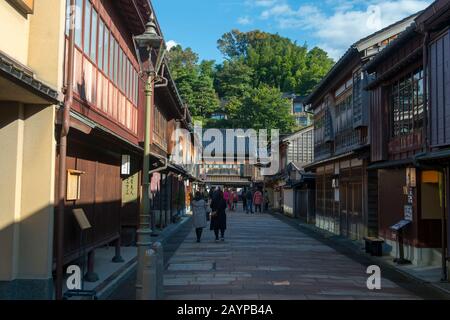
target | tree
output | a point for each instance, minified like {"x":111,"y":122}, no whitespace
{"x":276,"y":61}
{"x":182,"y":61}
{"x":204,"y":99}
{"x":264,"y":108}
{"x":233,"y":79}
{"x":194,"y":81}
{"x":317,"y":66}
{"x":257,"y":69}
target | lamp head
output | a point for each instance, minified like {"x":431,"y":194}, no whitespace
{"x":150,"y":39}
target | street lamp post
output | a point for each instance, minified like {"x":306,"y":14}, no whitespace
{"x":145,"y":44}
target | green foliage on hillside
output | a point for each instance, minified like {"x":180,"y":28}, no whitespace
{"x":248,"y":86}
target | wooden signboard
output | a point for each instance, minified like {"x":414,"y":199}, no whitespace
{"x":130,"y":189}
{"x":82,"y":220}
{"x":400,"y":225}
{"x":408,"y":212}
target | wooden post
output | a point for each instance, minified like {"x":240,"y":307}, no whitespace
{"x":91,"y":276}
{"x":117,"y":257}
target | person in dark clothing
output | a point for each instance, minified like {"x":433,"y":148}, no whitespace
{"x":266,"y":202}
{"x":244,"y":200}
{"x":205,"y":195}
{"x":218,"y":215}
{"x":249,"y":196}
{"x":211,"y":193}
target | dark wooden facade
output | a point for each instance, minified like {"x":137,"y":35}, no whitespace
{"x":344,"y":188}
{"x":341,"y":131}
{"x":385,"y":143}
{"x":406,"y":123}
{"x":434,"y":22}
{"x":107,"y":122}
{"x":440,"y":89}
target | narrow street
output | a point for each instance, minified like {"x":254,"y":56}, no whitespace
{"x":266,"y":258}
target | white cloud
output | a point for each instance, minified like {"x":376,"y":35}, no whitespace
{"x":347,"y":22}
{"x":277,"y":11}
{"x":170,"y":44}
{"x":244,"y":20}
{"x":263,"y":3}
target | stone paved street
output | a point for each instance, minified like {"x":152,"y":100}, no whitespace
{"x":266,"y":258}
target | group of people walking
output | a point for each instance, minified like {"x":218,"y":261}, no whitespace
{"x":231,"y":197}
{"x":215,"y":212}
{"x":211,"y":206}
{"x":255,"y":199}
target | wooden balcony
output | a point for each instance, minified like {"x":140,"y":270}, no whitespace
{"x":322,"y":151}
{"x":349,"y":139}
{"x":407,"y":143}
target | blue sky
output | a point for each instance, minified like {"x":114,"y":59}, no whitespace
{"x":330,"y":24}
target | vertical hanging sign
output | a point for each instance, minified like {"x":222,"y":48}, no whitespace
{"x":126,"y":165}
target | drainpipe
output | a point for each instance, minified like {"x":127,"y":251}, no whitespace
{"x":65,"y":126}
{"x":164,"y":167}
{"x":427,"y":130}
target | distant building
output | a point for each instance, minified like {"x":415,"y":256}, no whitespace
{"x":301,"y":146}
{"x":230,"y":167}
{"x":291,"y":190}
{"x":220,"y":113}
{"x":298,"y":110}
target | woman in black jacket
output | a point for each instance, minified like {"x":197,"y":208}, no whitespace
{"x":218,"y":215}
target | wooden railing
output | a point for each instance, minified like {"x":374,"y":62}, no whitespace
{"x":406,"y":143}
{"x":348,"y":140}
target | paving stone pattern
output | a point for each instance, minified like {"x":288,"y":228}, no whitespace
{"x":265,"y":258}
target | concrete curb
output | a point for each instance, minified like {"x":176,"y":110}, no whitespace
{"x":357,"y":249}
{"x":167,"y":233}
{"x":109,"y":285}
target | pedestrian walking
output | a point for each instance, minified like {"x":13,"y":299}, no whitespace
{"x":235,"y":199}
{"x":205,"y":195}
{"x":226,"y":197}
{"x":244,"y":199}
{"x":211,"y":192}
{"x":200,"y":212}
{"x":266,"y":202}
{"x":249,"y":196}
{"x":258,"y":200}
{"x":218,"y":216}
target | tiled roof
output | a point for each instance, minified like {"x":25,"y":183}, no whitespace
{"x":25,"y":77}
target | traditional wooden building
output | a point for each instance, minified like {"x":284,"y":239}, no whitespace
{"x":79,"y":143}
{"x":298,"y":110}
{"x":408,"y":136}
{"x":345,"y":190}
{"x":229,"y":158}
{"x":107,"y":118}
{"x":434,"y":23}
{"x":291,"y":189}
